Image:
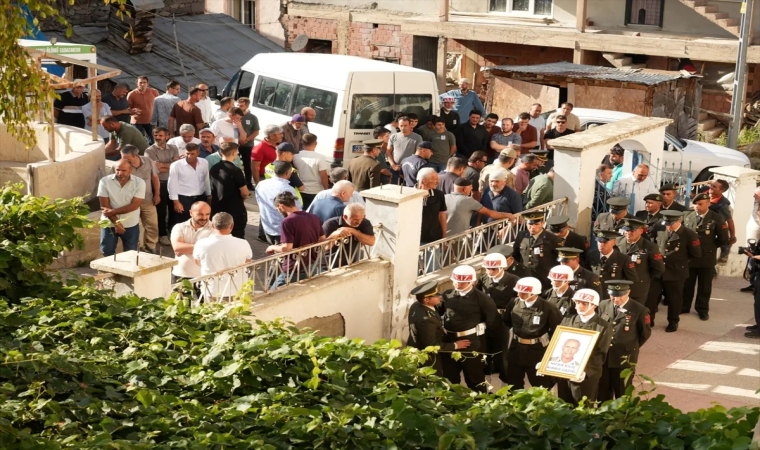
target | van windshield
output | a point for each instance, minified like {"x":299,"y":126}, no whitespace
{"x":374,"y":110}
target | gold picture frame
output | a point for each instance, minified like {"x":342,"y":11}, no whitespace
{"x":567,"y":341}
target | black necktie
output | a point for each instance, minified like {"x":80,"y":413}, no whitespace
{"x":699,"y":220}
{"x":650,"y":217}
{"x":604,"y":260}
{"x":615,"y":309}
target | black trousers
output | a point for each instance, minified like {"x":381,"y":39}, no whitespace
{"x":472,"y":366}
{"x":239,"y":216}
{"x":573,"y":393}
{"x":611,"y":386}
{"x":756,"y":283}
{"x":673,"y":290}
{"x":307,"y":199}
{"x":245,"y":156}
{"x":520,"y":363}
{"x":702,"y":278}
{"x":654,"y":296}
{"x":163,"y":209}
{"x":187,"y":202}
{"x":146,"y":129}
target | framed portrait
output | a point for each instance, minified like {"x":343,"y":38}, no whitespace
{"x":568,"y":352}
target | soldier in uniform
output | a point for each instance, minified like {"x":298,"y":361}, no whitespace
{"x":713,"y":234}
{"x":613,"y":264}
{"x":537,"y":248}
{"x":613,"y":220}
{"x":573,"y":391}
{"x":558,"y":225}
{"x":426,"y":325}
{"x":648,"y":262}
{"x":532,"y":321}
{"x":583,"y":278}
{"x":544,"y":164}
{"x":651,"y":215}
{"x":468,"y":314}
{"x":498,"y":284}
{"x":669,"y":202}
{"x":630,"y":330}
{"x":561,"y":294}
{"x":679,"y":245}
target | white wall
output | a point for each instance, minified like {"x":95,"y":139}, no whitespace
{"x":268,"y":21}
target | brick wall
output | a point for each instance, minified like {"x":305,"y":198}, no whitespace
{"x":323,"y":29}
{"x":379,"y":41}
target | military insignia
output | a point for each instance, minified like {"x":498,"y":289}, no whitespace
{"x":695,"y":243}
{"x":707,"y":231}
{"x":724,"y":226}
{"x":658,"y":256}
{"x":601,"y":235}
{"x":597,"y":282}
{"x":586,"y":245}
{"x":647,"y":319}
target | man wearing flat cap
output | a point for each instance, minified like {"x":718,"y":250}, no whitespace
{"x":679,"y":246}
{"x":513,"y":267}
{"x":669,"y":202}
{"x":559,"y":226}
{"x":426,"y":325}
{"x":613,"y":264}
{"x":713,"y":233}
{"x":613,"y":220}
{"x":365,"y":171}
{"x":651,"y":216}
{"x":582,"y":278}
{"x":647,"y":261}
{"x":630,"y":330}
{"x":537,"y":248}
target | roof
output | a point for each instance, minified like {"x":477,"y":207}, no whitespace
{"x":323,"y":69}
{"x":213,"y":48}
{"x":646,"y":77}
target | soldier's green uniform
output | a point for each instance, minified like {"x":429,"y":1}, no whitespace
{"x":652,"y":222}
{"x":563,"y":302}
{"x":613,"y":220}
{"x":557,"y":225}
{"x":501,"y":291}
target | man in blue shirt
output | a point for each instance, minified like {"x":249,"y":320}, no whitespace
{"x":420,"y":159}
{"x":266,"y":191}
{"x":466,"y":101}
{"x":499,"y":197}
{"x":332,"y":206}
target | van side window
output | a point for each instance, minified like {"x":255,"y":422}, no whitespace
{"x":245,"y":86}
{"x":323,"y":103}
{"x":374,"y":110}
{"x":273,"y":95}
{"x":420,"y":104}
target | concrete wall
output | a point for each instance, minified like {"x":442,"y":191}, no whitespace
{"x":85,"y":12}
{"x":358,"y":294}
{"x":268,"y":14}
{"x":423,"y":7}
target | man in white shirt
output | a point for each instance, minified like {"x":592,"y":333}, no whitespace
{"x":639,"y":182}
{"x":312,"y":168}
{"x":205,"y":105}
{"x":222,"y":251}
{"x":230,"y":129}
{"x":224,"y":106}
{"x":188,"y":183}
{"x":184,"y":237}
{"x":566,"y":109}
{"x":103,"y":111}
{"x":120,"y":197}
{"x":538,"y":121}
{"x":186,"y":136}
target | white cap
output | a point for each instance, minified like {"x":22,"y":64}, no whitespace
{"x":498,"y":174}
{"x":464,"y":274}
{"x":587,"y":295}
{"x":561,"y":273}
{"x":494,"y":260}
{"x":528,"y":285}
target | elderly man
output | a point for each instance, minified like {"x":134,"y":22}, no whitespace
{"x":163,"y":155}
{"x":184,"y":237}
{"x":146,"y":170}
{"x":433,"y":207}
{"x":293,"y":131}
{"x":207,"y":146}
{"x":265,"y":152}
{"x":465,"y":101}
{"x":164,"y":103}
{"x":222,"y":251}
{"x":187,"y":112}
{"x":527,"y":132}
{"x":337,"y":174}
{"x":120,"y":195}
{"x":352,"y":224}
{"x":266,"y":191}
{"x":103,"y":111}
{"x":188,"y":183}
{"x":230,"y":128}
{"x":471,"y":136}
{"x":566,"y":109}
{"x":412,"y":165}
{"x":499,"y":197}
{"x":228,"y":188}
{"x":121,"y":134}
{"x":540,"y":190}
{"x":401,"y":146}
{"x":638,"y":183}
{"x":460,"y":208}
{"x":186,"y":136}
{"x":528,"y":163}
{"x":141,"y":101}
{"x":117,"y":101}
{"x":333,"y":206}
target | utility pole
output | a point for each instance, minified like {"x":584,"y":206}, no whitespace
{"x":740,"y":78}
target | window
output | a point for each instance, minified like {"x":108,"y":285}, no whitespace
{"x":373,"y":110}
{"x":248,"y":13}
{"x":245,"y":86}
{"x":644,"y":12}
{"x":522,"y":7}
{"x":273,"y":95}
{"x":323,"y":103}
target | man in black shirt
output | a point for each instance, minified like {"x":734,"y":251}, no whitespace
{"x":471,"y":136}
{"x":75,"y":98}
{"x":229,"y":189}
{"x":411,"y":165}
{"x":351,"y":224}
{"x":559,"y":130}
{"x":433,"y":207}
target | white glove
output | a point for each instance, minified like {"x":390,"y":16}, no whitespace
{"x":537,"y":366}
{"x":580,"y":378}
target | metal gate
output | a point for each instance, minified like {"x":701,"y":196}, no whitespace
{"x":678,"y":175}
{"x":425,"y":53}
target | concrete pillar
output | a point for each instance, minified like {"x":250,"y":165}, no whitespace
{"x":742,"y":182}
{"x":441,"y":66}
{"x":145,"y":274}
{"x":343,"y":35}
{"x":399,"y":211}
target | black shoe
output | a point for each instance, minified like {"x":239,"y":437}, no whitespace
{"x":749,"y":288}
{"x":685,"y":311}
{"x":671,"y":328}
{"x":752,"y":334}
{"x":704,"y":316}
{"x":751,"y":328}
{"x":651,"y":323}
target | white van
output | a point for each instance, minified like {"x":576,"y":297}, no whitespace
{"x":350,"y":95}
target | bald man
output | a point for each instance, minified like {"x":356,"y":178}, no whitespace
{"x":120,"y":197}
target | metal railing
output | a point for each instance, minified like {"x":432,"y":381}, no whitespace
{"x":477,"y":241}
{"x":277,"y":271}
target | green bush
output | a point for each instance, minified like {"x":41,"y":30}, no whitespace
{"x":83,"y":369}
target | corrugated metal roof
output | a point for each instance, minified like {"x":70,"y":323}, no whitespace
{"x":213,"y":48}
{"x":570,"y":70}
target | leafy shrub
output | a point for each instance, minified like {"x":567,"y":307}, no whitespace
{"x":83,"y":369}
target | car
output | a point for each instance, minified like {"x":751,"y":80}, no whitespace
{"x":678,"y":152}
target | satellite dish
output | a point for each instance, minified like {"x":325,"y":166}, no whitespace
{"x":299,"y":43}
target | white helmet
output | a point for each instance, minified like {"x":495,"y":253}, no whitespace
{"x":587,"y":295}
{"x":561,"y":273}
{"x":495,"y":260}
{"x":447,"y":99}
{"x":528,"y":285}
{"x":464,"y":274}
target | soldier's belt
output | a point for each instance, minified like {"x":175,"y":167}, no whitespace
{"x":501,"y":311}
{"x":531,"y":341}
{"x":467,"y":332}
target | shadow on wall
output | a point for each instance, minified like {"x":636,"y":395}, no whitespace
{"x":330,"y":326}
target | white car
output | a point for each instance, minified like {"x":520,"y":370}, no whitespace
{"x":702,"y":155}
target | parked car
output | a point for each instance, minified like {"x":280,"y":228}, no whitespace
{"x":702,"y":155}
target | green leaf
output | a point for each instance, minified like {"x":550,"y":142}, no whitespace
{"x":227,"y":370}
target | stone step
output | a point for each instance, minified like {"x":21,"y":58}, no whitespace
{"x":694,"y":3}
{"x":736,"y":31}
{"x":703,"y":116}
{"x":714,"y":132}
{"x":706,"y":9}
{"x":706,"y":124}
{"x":635,"y":66}
{"x":716,"y":16}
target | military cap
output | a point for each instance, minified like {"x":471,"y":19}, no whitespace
{"x":541,"y":154}
{"x":534,"y":217}
{"x":618,"y":203}
{"x":699,"y":197}
{"x":632,"y":224}
{"x":568,"y":253}
{"x":618,"y":287}
{"x":668,"y":187}
{"x":557,"y":223}
{"x":461,"y":181}
{"x":606,"y":235}
{"x":372,"y":143}
{"x":506,"y":250}
{"x":428,"y":289}
{"x":654,"y":196}
{"x":670,"y":215}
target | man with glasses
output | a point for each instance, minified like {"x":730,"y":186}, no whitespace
{"x":559,"y":130}
{"x":566,"y":109}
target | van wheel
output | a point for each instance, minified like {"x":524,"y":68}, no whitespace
{"x":704,"y":175}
